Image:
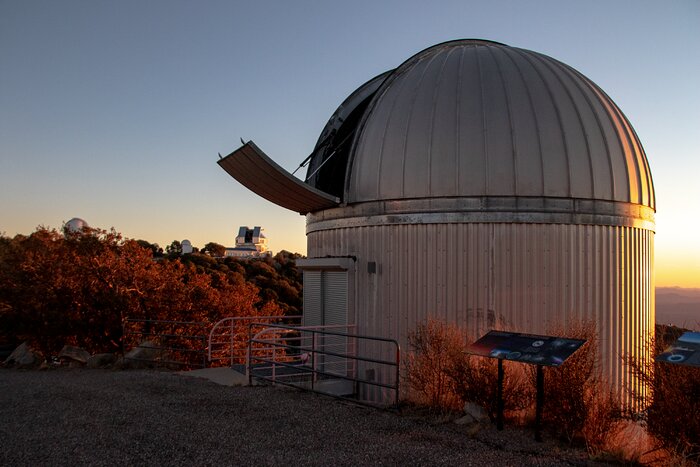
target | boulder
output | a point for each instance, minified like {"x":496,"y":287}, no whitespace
{"x":476,"y":412}
{"x":145,"y":354}
{"x":473,"y":414}
{"x":74,"y":354}
{"x":101,"y":360}
{"x":24,"y":357}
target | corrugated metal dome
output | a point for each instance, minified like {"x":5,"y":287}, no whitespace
{"x":474,"y":118}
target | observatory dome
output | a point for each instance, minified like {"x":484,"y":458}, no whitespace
{"x":474,"y":118}
{"x":482,"y":185}
{"x":76,"y":224}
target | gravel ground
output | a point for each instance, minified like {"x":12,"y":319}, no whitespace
{"x":103,"y":417}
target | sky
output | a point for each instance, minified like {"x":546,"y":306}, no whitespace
{"x":114,"y":112}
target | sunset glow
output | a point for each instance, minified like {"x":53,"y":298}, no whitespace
{"x":116,"y":114}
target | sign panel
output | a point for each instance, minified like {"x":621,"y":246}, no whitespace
{"x":526,"y":348}
{"x":685,"y":351}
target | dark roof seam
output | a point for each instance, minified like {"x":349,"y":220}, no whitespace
{"x":610,"y":107}
{"x":613,"y":185}
{"x":458,"y":122}
{"x":513,"y":136}
{"x":410,"y":112}
{"x":562,"y":131}
{"x":532,"y":109}
{"x":432,"y":119}
{"x":358,"y":139}
{"x":484,"y":130}
{"x":631,"y":137}
{"x":386,"y":126}
{"x":650,"y":181}
{"x":553,"y":63}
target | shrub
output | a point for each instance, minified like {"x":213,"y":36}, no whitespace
{"x":434,"y":348}
{"x":442,"y":376}
{"x":672,"y":416}
{"x":578,"y":404}
{"x":476,"y":380}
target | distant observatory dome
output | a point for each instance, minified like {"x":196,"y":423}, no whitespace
{"x":186,"y":247}
{"x":75,"y":225}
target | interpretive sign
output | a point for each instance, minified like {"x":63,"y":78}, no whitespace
{"x":685,"y":351}
{"x":526,"y":348}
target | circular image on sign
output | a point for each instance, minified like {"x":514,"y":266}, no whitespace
{"x":538,"y":343}
{"x":676,"y":358}
{"x":513,"y":355}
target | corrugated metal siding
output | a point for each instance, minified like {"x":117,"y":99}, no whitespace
{"x":523,"y":277}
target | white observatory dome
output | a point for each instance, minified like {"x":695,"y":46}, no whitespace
{"x":75,"y":225}
{"x":186,"y":247}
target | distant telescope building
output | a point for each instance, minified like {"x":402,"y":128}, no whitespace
{"x":186,"y":247}
{"x":484,"y":185}
{"x":76,"y":224}
{"x":250,"y":243}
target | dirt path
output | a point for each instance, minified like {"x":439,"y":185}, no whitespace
{"x":79,"y":417}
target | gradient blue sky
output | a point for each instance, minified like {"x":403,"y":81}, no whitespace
{"x":115,"y":111}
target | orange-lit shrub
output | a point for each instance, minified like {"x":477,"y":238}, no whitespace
{"x":578,"y":405}
{"x":61,"y":288}
{"x":435,"y":347}
{"x":442,"y":376}
{"x":673,"y":417}
{"x":475,"y":379}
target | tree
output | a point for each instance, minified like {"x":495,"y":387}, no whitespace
{"x":214,"y":249}
{"x":156,"y":250}
{"x":174,"y":249}
{"x":78,"y":289}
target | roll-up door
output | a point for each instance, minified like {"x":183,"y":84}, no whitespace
{"x":313,"y":305}
{"x":335,"y":315}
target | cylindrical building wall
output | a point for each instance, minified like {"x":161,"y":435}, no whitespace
{"x":511,"y":276}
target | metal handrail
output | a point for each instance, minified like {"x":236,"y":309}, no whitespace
{"x":193,"y":343}
{"x":229,"y":323}
{"x":315,"y":350}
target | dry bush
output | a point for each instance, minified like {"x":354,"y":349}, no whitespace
{"x":475,"y":379}
{"x":672,"y":416}
{"x":434,"y":348}
{"x":442,"y":376}
{"x":578,"y":405}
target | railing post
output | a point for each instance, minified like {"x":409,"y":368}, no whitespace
{"x":249,"y":374}
{"x":231,"y":347}
{"x":313,"y":359}
{"x":398,"y":375}
{"x":274,"y":361}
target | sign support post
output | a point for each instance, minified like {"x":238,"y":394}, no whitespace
{"x":539,"y":403}
{"x":499,"y":416}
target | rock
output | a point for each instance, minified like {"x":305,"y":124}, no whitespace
{"x":476,"y":412}
{"x":101,"y":360}
{"x":466,"y":420}
{"x":24,"y":357}
{"x":74,"y":354}
{"x":145,"y":354}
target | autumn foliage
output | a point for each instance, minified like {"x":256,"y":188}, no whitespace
{"x":61,"y":288}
